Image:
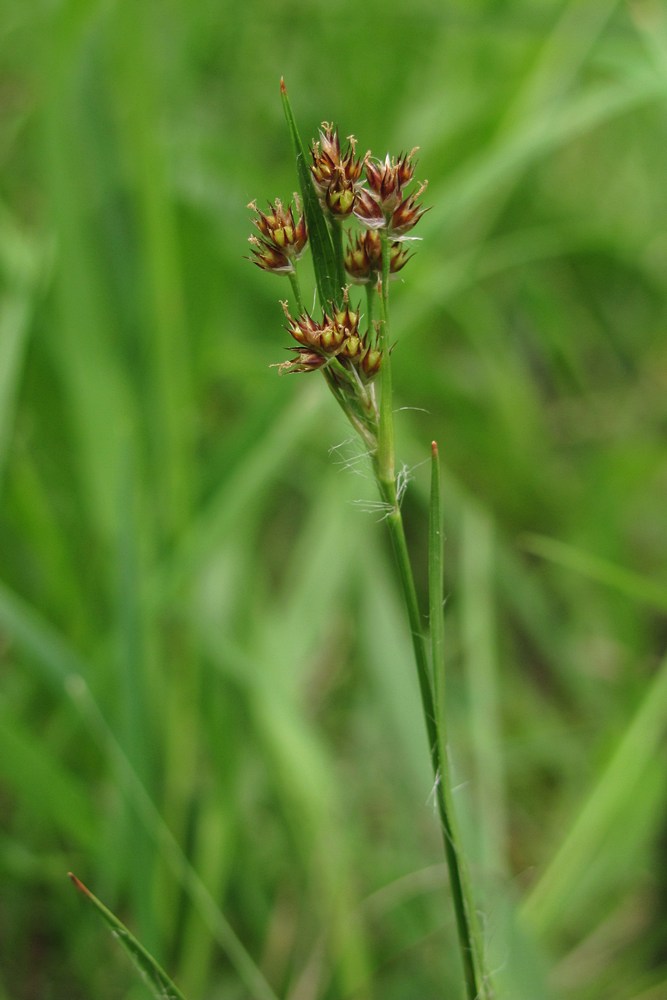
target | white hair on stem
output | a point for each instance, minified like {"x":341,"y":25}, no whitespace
{"x":354,"y":460}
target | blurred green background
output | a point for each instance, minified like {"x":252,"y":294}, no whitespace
{"x":208,"y":707}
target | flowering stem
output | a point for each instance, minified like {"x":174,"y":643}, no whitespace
{"x":296,"y":288}
{"x":337,"y":239}
{"x":385,"y":452}
{"x":349,"y":361}
{"x":370,"y":306}
{"x":468,"y":934}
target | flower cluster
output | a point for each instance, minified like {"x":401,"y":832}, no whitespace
{"x":375,"y":192}
{"x":363,"y":258}
{"x":336,"y":337}
{"x":383,"y":199}
{"x":336,"y":175}
{"x":385,"y":203}
{"x":283,"y":239}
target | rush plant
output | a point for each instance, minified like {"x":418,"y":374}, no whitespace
{"x":358,"y":214}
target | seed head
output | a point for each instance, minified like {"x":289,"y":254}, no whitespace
{"x":363,"y":259}
{"x":384,"y":204}
{"x":283,"y":239}
{"x":336,"y":336}
{"x":336,"y":174}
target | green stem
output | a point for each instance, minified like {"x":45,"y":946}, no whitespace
{"x":337,"y":239}
{"x":468,"y":934}
{"x":385,"y":453}
{"x":371,"y":292}
{"x":296,"y":288}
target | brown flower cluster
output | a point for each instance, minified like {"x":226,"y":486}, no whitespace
{"x":383,"y":197}
{"x":337,"y":336}
{"x":363,"y":258}
{"x":283,"y":239}
{"x":336,"y":174}
{"x":375,"y":192}
{"x":385,"y":203}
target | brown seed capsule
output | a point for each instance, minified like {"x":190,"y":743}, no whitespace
{"x":407,"y":214}
{"x":370,"y":363}
{"x":340,"y":197}
{"x":304,"y":361}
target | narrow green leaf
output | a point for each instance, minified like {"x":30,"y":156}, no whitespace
{"x":609,"y":803}
{"x":480,"y":666}
{"x":154,"y":976}
{"x":435,"y":593}
{"x":635,"y":586}
{"x":472,"y":950}
{"x":329,"y":287}
{"x":56,"y":663}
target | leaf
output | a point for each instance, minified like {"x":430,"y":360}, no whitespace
{"x":154,"y":976}
{"x":435,"y":587}
{"x":610,"y":803}
{"x":329,"y":287}
{"x":635,"y":586}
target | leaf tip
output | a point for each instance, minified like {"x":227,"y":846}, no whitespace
{"x":434,"y":449}
{"x":78,"y":884}
{"x":283,"y":88}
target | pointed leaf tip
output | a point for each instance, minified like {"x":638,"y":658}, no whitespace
{"x":78,"y":884}
{"x":283,"y":88}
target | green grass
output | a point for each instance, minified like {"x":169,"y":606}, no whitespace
{"x":208,"y":708}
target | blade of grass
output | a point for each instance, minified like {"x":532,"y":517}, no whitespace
{"x":19,"y":264}
{"x":264,"y":451}
{"x":328,"y":275}
{"x":136,"y":730}
{"x":607,"y":804}
{"x":633,"y":585}
{"x":156,"y":979}
{"x":435,"y":589}
{"x":161,"y":302}
{"x":65,"y":672}
{"x":85,"y":345}
{"x":477,"y":555}
{"x":56,"y":796}
{"x":464,"y":906}
{"x":302,"y":774}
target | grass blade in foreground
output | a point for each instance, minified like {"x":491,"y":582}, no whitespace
{"x":154,"y":976}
